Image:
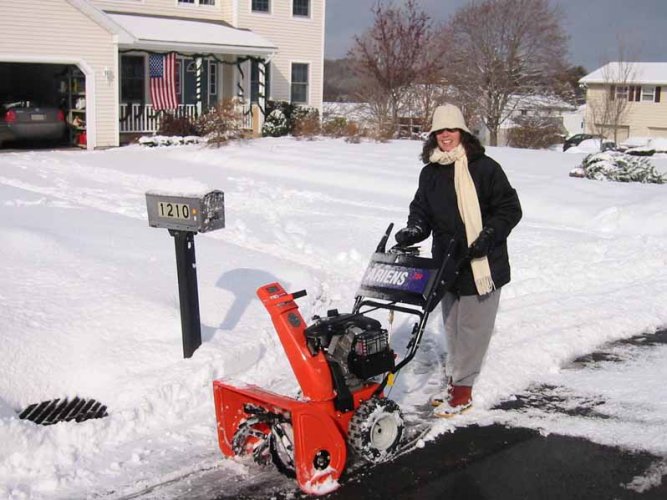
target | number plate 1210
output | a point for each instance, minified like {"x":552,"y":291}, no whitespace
{"x":173,"y":210}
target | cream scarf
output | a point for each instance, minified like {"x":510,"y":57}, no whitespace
{"x":468,"y":203}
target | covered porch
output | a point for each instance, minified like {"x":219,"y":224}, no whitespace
{"x":199,"y":63}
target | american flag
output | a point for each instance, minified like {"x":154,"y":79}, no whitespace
{"x":161,"y":68}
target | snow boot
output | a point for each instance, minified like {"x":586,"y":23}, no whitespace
{"x":460,"y":401}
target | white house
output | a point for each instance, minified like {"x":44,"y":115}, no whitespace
{"x":92,"y":57}
{"x":634,"y":92}
{"x":564,"y":114}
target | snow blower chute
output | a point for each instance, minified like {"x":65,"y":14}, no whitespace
{"x":342,"y":362}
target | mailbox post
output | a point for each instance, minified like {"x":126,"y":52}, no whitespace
{"x":184,"y":216}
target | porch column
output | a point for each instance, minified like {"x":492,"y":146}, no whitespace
{"x":199,"y":65}
{"x":261,"y":98}
{"x":240,"y":81}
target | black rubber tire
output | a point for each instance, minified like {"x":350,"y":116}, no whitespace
{"x":281,"y":456}
{"x":376,"y":429}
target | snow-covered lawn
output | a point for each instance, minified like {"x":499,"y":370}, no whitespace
{"x":89,"y":299}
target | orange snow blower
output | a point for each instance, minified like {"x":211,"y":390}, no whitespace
{"x":342,"y":362}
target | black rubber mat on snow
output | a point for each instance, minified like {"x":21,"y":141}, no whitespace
{"x":63,"y":410}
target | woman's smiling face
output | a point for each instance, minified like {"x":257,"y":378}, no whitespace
{"x":448,"y":138}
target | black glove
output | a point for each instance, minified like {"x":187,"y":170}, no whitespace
{"x":481,"y":246}
{"x":409,"y":236}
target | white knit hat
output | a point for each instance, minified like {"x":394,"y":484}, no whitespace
{"x":448,"y":116}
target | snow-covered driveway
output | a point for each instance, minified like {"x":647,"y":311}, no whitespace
{"x":89,"y":304}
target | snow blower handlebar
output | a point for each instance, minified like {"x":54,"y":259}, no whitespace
{"x":382,"y":246}
{"x":445,"y":275}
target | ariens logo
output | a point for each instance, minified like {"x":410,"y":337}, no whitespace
{"x":386,"y":276}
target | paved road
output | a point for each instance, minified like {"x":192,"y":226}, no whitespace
{"x":494,"y":463}
{"x":503,"y":463}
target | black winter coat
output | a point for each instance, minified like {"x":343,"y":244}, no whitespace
{"x":434,"y":209}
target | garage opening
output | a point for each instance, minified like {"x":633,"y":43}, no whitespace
{"x":42,"y":104}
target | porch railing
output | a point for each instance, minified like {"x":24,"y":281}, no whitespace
{"x":140,"y":118}
{"x":244,"y":110}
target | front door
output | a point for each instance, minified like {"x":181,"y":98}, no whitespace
{"x":208,"y":83}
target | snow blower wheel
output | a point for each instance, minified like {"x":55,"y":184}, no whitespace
{"x":281,"y":446}
{"x":376,"y":429}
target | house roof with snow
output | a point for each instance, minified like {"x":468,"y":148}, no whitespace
{"x":159,"y":33}
{"x":151,"y":32}
{"x":629,"y":72}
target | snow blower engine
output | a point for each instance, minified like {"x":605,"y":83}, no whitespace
{"x":342,"y":362}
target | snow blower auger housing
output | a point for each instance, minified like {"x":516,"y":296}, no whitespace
{"x":342,"y":363}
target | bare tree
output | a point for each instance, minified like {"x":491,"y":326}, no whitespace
{"x":377,"y":104}
{"x":503,"y":48}
{"x":398,"y":50}
{"x":608,"y":99}
{"x":420,"y":100}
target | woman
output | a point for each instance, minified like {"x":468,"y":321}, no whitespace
{"x":465,"y":195}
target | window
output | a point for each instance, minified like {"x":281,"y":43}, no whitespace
{"x":261,"y":5}
{"x":621,"y":92}
{"x":299,"y":83}
{"x":133,"y":74}
{"x":301,"y":8}
{"x":254,"y":81}
{"x":212,"y":78}
{"x":648,"y":93}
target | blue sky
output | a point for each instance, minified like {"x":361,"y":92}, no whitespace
{"x":594,"y":26}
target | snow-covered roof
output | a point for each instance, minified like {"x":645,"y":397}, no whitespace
{"x":188,"y":35}
{"x":629,"y":72}
{"x":539,"y":101}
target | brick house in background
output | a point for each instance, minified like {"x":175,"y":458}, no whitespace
{"x":641,"y":86}
{"x":92,"y":57}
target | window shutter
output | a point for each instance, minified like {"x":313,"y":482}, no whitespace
{"x":612,"y":93}
{"x":657,"y":94}
{"x":638,"y":94}
{"x":631,"y":93}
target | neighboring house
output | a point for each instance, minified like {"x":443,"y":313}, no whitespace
{"x":634,"y":92}
{"x":564,"y":115}
{"x":95,"y":58}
